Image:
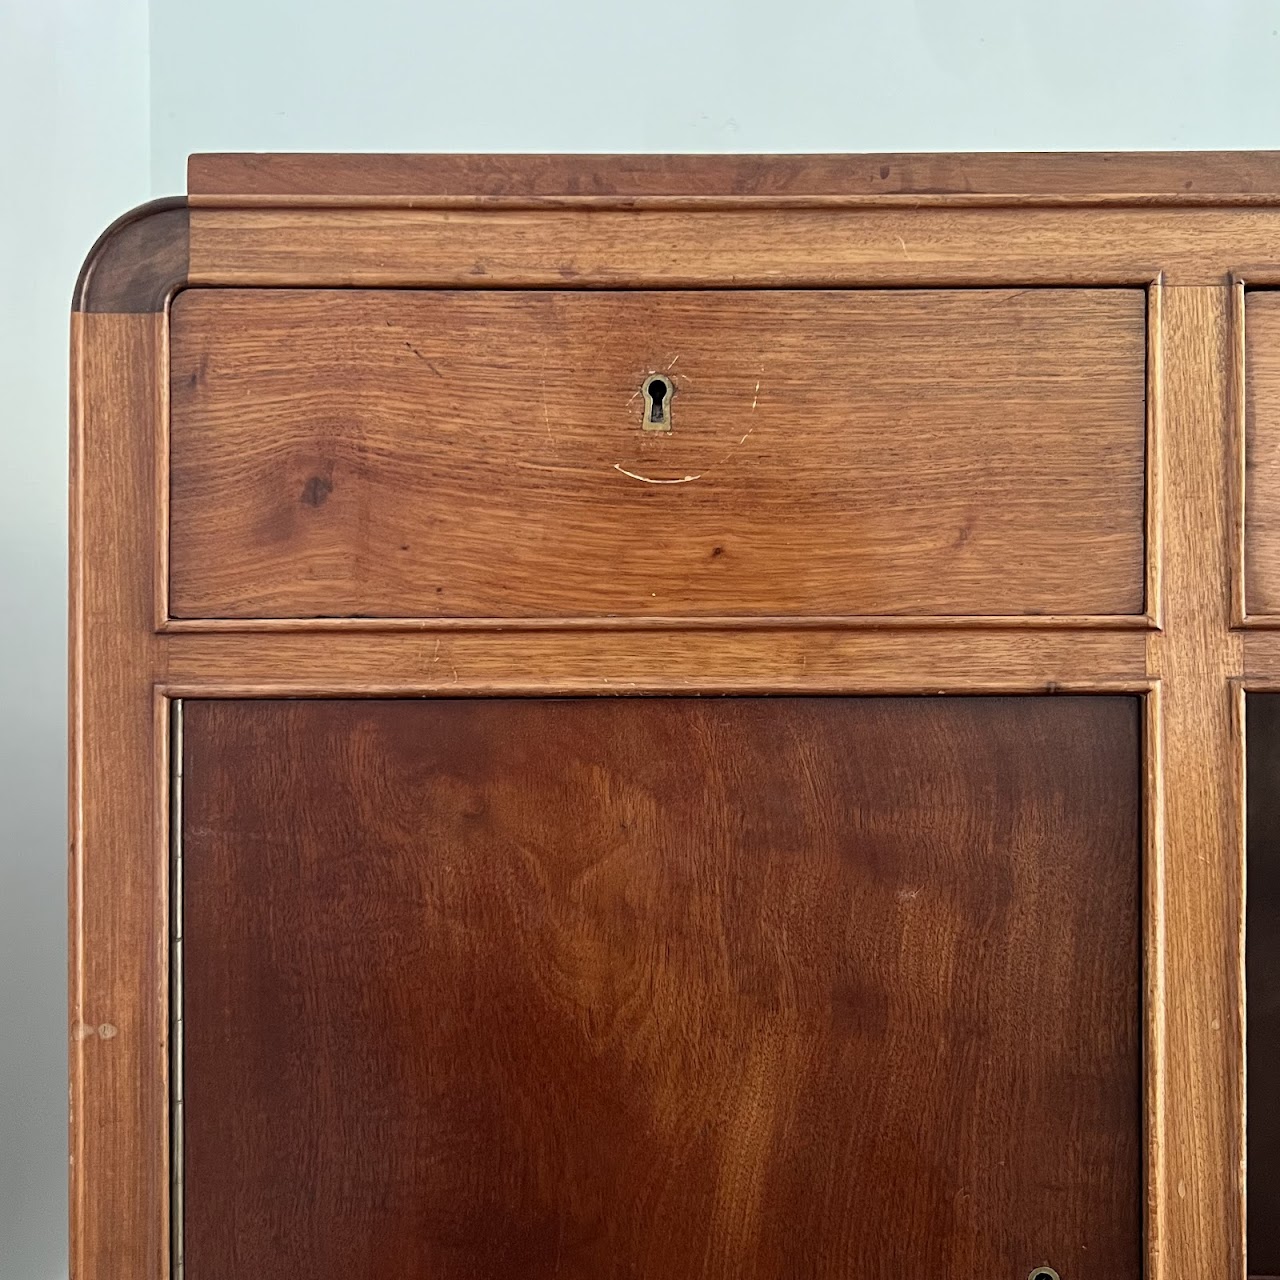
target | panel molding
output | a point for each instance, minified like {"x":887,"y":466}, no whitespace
{"x":1079,"y":179}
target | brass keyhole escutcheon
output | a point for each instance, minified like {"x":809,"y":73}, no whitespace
{"x":1043,"y":1273}
{"x":658,"y":390}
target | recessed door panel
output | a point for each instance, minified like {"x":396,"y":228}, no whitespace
{"x":1262,"y":975}
{"x":676,"y":988}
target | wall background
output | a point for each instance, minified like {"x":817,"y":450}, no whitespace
{"x":74,"y":151}
{"x":101,"y":100}
{"x":710,"y":75}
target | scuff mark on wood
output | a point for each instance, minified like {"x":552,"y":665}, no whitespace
{"x":542,"y":378}
{"x":106,"y":1031}
{"x":435,"y":657}
{"x":617,"y":466}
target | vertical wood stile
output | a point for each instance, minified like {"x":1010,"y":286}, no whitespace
{"x":119,"y":861}
{"x":1198,"y":1220}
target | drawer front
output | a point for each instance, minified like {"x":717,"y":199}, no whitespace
{"x":1262,"y":458}
{"x":485,"y":454}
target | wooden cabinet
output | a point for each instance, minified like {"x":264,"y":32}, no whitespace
{"x":678,"y":719}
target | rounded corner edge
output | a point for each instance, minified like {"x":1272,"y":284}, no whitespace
{"x":138,"y":261}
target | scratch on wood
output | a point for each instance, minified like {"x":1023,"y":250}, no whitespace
{"x":905,"y":254}
{"x":420,"y":356}
{"x":542,"y":377}
{"x":617,"y":466}
{"x":435,"y":657}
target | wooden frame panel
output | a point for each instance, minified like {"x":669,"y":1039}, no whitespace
{"x":1187,"y":656}
{"x":691,"y":247}
{"x":1197,"y":1225}
{"x":119,"y":833}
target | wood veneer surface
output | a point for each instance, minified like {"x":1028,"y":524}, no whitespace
{"x":804,"y":987}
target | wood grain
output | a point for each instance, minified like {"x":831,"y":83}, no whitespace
{"x":1262,"y":659}
{"x":138,"y":262}
{"x":534,"y":227}
{"x":1263,"y":976}
{"x":1262,"y":453}
{"x":118,"y":973}
{"x":481,"y":454}
{"x":1161,"y":174}
{"x":1195,"y":1224}
{"x":517,"y":988}
{"x":733,"y":248}
{"x":939,"y":660}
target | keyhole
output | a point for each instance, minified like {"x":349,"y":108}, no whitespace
{"x":657,"y":399}
{"x":1043,"y":1273}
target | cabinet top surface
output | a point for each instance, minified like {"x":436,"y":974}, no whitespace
{"x":1160,"y":177}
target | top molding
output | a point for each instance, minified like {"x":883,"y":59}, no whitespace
{"x":144,"y":257}
{"x":1136,"y":177}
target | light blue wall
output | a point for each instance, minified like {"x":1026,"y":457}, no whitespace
{"x":74,"y":108}
{"x":696,"y":75}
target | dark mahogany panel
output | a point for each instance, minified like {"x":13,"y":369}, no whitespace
{"x":662,"y":988}
{"x":1262,"y":964}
